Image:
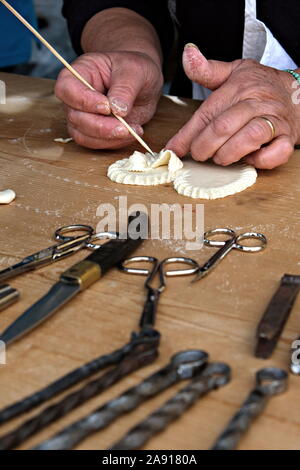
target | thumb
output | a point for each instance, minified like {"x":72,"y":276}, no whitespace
{"x":209,"y":73}
{"x":125,"y":86}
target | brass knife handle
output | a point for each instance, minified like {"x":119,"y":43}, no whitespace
{"x":110,"y":254}
{"x":84,"y":273}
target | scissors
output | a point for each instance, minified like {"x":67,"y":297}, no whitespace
{"x":153,"y":293}
{"x":68,"y":246}
{"x":233,"y":242}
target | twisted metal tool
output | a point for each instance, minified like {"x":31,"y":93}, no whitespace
{"x":215,"y":375}
{"x":269,"y":381}
{"x":65,"y":382}
{"x":182,"y":366}
{"x":143,"y":352}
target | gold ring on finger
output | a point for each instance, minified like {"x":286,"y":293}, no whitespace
{"x":271,"y":125}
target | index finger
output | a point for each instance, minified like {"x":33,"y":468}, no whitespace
{"x":75,"y":94}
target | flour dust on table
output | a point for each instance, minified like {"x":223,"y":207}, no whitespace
{"x":190,"y":178}
{"x":16,"y":104}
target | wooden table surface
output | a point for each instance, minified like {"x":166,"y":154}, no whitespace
{"x":60,"y":184}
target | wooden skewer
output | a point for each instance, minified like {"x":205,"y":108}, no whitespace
{"x":71,"y":69}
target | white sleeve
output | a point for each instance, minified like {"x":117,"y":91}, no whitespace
{"x":260,"y":44}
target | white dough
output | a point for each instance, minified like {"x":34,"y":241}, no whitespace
{"x":163,"y":158}
{"x":138,"y":162}
{"x":190,"y":178}
{"x":63,"y":141}
{"x":175,"y":164}
{"x":210,"y":181}
{"x":7,"y":196}
{"x":145,"y":169}
{"x":117,"y":172}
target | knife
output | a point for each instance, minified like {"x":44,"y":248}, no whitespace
{"x":76,"y":279}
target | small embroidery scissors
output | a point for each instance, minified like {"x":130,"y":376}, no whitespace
{"x":68,"y":246}
{"x":153,"y":293}
{"x":233,"y":242}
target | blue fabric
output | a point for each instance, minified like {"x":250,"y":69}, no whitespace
{"x":15,"y":39}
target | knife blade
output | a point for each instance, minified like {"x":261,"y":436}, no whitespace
{"x":74,"y":280}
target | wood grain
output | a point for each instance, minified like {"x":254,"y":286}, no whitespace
{"x":59,"y":184}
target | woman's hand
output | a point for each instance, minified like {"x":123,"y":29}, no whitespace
{"x":127,"y":83}
{"x":228,"y":125}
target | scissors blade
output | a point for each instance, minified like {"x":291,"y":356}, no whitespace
{"x":214,"y":260}
{"x":27,"y":264}
{"x":56,"y":297}
{"x":43,"y":257}
{"x":199,"y":275}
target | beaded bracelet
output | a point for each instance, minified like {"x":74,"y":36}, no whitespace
{"x":294,"y":74}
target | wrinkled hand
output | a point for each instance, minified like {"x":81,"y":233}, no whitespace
{"x":127,"y":83}
{"x":228,"y":126}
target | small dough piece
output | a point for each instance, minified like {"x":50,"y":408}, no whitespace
{"x":146,"y":169}
{"x":210,"y":181}
{"x":163,"y":158}
{"x":175,"y":164}
{"x":7,"y":196}
{"x":63,"y":141}
{"x":138,"y":161}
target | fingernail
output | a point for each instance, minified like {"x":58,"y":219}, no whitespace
{"x":119,"y":107}
{"x":120,"y":131}
{"x":191,"y":44}
{"x":103,"y":108}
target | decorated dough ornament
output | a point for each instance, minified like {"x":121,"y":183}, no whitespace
{"x":190,"y":178}
{"x":145,"y":169}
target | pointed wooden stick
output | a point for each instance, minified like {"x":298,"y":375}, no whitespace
{"x":71,"y":69}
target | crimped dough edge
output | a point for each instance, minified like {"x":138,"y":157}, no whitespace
{"x":117,"y":174}
{"x":247,"y":179}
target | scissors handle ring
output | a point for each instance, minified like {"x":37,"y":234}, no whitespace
{"x":100,"y":236}
{"x":238,"y":238}
{"x":218,"y":231}
{"x":138,"y":259}
{"x":180,"y":272}
{"x":72,"y":228}
{"x":247,"y":236}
